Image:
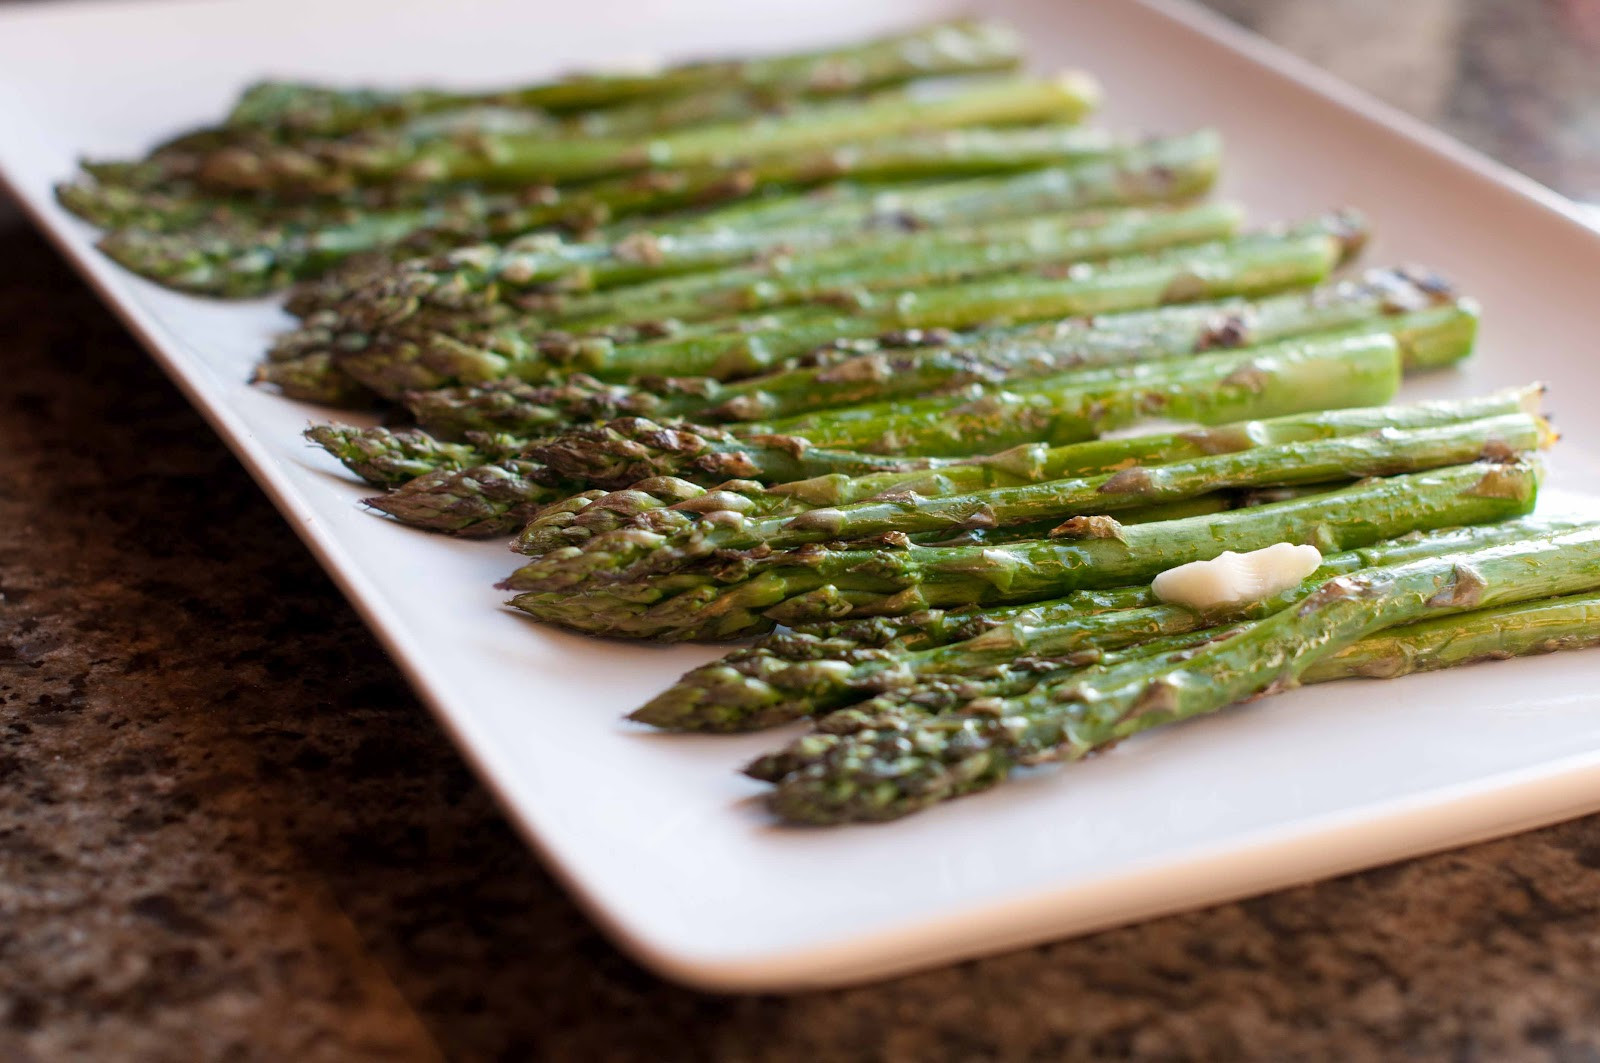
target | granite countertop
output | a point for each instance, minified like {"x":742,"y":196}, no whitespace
{"x":228,"y":830}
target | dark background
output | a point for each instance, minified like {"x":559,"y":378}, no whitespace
{"x":228,"y":831}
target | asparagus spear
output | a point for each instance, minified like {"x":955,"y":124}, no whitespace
{"x":1035,"y":463}
{"x":1544,"y":626}
{"x":1154,"y":171}
{"x":165,"y":199}
{"x":745,"y":596}
{"x":1052,"y":409}
{"x":314,"y":378}
{"x":629,"y":556}
{"x":319,"y":299}
{"x":241,"y":260}
{"x":1212,"y":389}
{"x":840,"y":275}
{"x":593,"y":513}
{"x":748,"y":680}
{"x":475,"y":501}
{"x":955,"y":47}
{"x":602,"y":511}
{"x":1500,"y":633}
{"x":1005,"y":660}
{"x":389,"y":457}
{"x":251,"y":251}
{"x":998,"y":651}
{"x":1254,"y":264}
{"x":275,"y":112}
{"x":746,"y":346}
{"x":985,"y":356}
{"x":407,"y":300}
{"x":627,"y":450}
{"x":1569,"y":622}
{"x":882,"y":774}
{"x":1359,"y":371}
{"x":321,"y":167}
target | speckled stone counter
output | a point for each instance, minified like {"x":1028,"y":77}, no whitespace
{"x":228,"y":831}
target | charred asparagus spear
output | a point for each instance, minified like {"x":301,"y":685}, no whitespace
{"x":631,"y":556}
{"x":599,"y":512}
{"x":923,"y":663}
{"x":1252,"y":265}
{"x":882,"y":774}
{"x":388,"y":458}
{"x":1569,"y":622}
{"x":1211,"y":389}
{"x":314,"y":378}
{"x":831,"y":275}
{"x":1345,"y":372}
{"x":1153,"y":171}
{"x":956,"y":47}
{"x":985,"y":356}
{"x":1349,"y":371}
{"x":249,"y":247}
{"x":842,"y":275}
{"x":747,"y":595}
{"x":1047,"y":409}
{"x":477,"y":501}
{"x":171,"y":167}
{"x":323,"y":167}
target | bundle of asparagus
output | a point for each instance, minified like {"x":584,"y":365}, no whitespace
{"x":841,"y":349}
{"x":466,"y":490}
{"x":877,"y":767}
{"x":299,"y":177}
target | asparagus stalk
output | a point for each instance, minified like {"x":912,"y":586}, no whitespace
{"x":997,"y":652}
{"x":165,"y":199}
{"x":278,"y":112}
{"x":248,"y":251}
{"x":626,"y":450}
{"x":746,"y":596}
{"x":1569,"y":622}
{"x":315,"y":378}
{"x":1155,"y":171}
{"x":239,"y":260}
{"x":882,"y":774}
{"x":1060,"y":409}
{"x":390,"y":457}
{"x":1212,"y":389}
{"x":590,"y":514}
{"x":475,"y":501}
{"x":956,"y":47}
{"x":842,"y":275}
{"x":496,"y":500}
{"x":984,"y":356}
{"x":1352,"y":372}
{"x":1544,"y":626}
{"x":321,"y":167}
{"x":718,"y":695}
{"x":407,"y":301}
{"x":629,"y":556}
{"x":1256,"y":264}
{"x":1034,"y":463}
{"x":1500,"y":633}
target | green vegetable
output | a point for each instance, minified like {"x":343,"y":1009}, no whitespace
{"x":747,"y":595}
{"x":955,"y":47}
{"x":883,"y":772}
{"x":520,"y":158}
{"x":678,"y":538}
{"x":942,"y":661}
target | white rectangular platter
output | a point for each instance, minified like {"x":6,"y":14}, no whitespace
{"x":664,"y":843}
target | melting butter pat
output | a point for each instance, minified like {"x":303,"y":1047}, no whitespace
{"x":1233,"y":579}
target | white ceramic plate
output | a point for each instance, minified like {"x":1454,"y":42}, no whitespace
{"x":658,"y":836}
